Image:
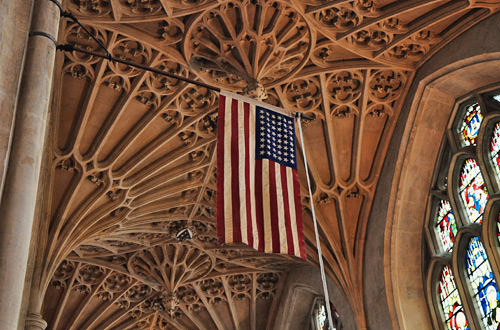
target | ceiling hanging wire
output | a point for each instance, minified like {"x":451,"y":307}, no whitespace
{"x":108,"y":56}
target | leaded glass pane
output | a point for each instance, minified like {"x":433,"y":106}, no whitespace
{"x":446,"y":226}
{"x":498,"y":227}
{"x":473,"y":190}
{"x":450,"y":301}
{"x":483,"y":284}
{"x":495,"y":149}
{"x":320,"y":317}
{"x":469,"y":127}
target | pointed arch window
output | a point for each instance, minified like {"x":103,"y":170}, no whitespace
{"x":473,"y":190}
{"x":469,"y":126}
{"x":495,"y":149}
{"x":463,"y":226}
{"x":483,"y":284}
{"x":319,"y":319}
{"x":446,"y":226}
{"x":498,"y":228}
{"x":454,"y":316}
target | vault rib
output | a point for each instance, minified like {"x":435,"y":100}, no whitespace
{"x":435,"y":16}
{"x":154,"y":319}
{"x":113,"y":320}
{"x":209,"y":307}
{"x":162,"y":193}
{"x":149,"y":167}
{"x":174,"y":322}
{"x":137,"y":223}
{"x":340,"y":65}
{"x":87,"y":109}
{"x":466,"y":21}
{"x":116,"y":113}
{"x":112,"y":267}
{"x":174,"y":173}
{"x":275,"y":304}
{"x":90,"y":102}
{"x":138,"y":128}
{"x":325,"y":5}
{"x":157,"y":207}
{"x":83,"y":304}
{"x":91,"y":321}
{"x":192,"y":317}
{"x":117,"y":10}
{"x":253,"y":303}
{"x":130,"y":323}
{"x":62,"y":244}
{"x":203,"y":187}
{"x":160,"y":141}
{"x":166,"y":7}
{"x":67,"y":291}
{"x":230,"y":302}
{"x":163,"y":162}
{"x":392,"y":10}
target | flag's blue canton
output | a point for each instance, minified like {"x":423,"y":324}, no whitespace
{"x":275,"y":137}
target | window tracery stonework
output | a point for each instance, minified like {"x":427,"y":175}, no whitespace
{"x":132,"y":153}
{"x":462,"y":220}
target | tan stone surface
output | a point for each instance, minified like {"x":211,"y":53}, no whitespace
{"x":132,"y":153}
{"x":431,"y":109}
{"x":14,"y":26}
{"x":18,"y":201}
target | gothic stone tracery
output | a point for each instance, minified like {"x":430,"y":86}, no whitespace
{"x":133,"y":152}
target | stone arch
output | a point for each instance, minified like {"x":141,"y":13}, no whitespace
{"x":430,"y":110}
{"x":460,"y":62}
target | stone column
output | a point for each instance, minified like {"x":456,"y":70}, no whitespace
{"x":14,"y":26}
{"x":19,"y":197}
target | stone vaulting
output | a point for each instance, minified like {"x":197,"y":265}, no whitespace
{"x":130,"y":158}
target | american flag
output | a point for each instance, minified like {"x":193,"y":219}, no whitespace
{"x":258,"y":192}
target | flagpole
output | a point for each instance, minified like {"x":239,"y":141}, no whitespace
{"x":320,"y":255}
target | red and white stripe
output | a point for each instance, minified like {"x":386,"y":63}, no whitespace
{"x":258,"y":200}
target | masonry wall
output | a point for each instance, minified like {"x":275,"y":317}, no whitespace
{"x":481,"y":39}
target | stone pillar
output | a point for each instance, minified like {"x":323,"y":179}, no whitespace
{"x":19,"y":196}
{"x":14,"y":26}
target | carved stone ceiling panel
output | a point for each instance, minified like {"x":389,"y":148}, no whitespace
{"x":132,"y":153}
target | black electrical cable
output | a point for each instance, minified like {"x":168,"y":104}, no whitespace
{"x":72,"y":17}
{"x":71,"y":48}
{"x":109,"y":57}
{"x":43,"y":34}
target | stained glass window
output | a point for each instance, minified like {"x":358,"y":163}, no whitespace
{"x":483,"y":284}
{"x":446,"y":226}
{"x":320,"y":317}
{"x":498,"y":227}
{"x":472,"y":196}
{"x":495,"y":149}
{"x":473,"y":190}
{"x":469,"y":127}
{"x":450,"y":301}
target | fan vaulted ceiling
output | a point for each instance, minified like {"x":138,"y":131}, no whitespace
{"x":132,"y":153}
